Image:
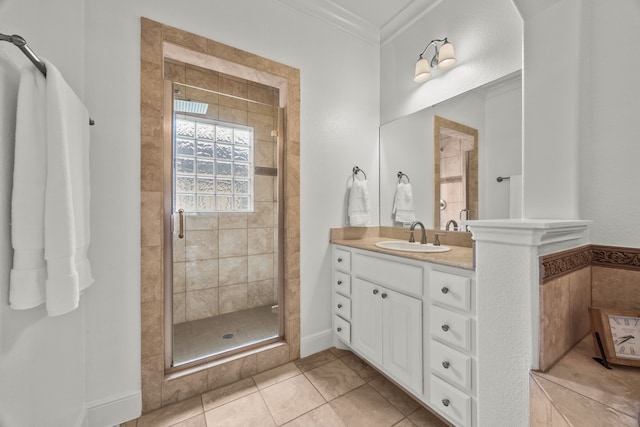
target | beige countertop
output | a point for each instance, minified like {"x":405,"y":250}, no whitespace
{"x":458,"y":256}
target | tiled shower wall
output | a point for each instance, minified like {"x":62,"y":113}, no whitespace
{"x":228,"y":261}
{"x":571,"y":281}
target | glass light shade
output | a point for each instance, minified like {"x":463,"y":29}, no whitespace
{"x":423,"y":72}
{"x":446,"y":56}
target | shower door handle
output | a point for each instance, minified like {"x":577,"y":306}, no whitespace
{"x":181,"y":223}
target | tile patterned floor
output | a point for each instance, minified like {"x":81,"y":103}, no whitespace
{"x":205,"y":337}
{"x":333,"y":388}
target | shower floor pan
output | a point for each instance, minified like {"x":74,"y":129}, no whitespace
{"x":202,"y":338}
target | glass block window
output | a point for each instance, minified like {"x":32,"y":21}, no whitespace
{"x":213,"y":166}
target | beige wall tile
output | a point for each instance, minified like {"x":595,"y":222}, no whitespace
{"x":260,"y":241}
{"x":275,"y":356}
{"x":232,"y":298}
{"x":151,"y":217}
{"x":260,"y":293}
{"x":233,"y":243}
{"x":151,"y":272}
{"x":151,"y":168}
{"x":554,"y":312}
{"x":580,"y":300}
{"x":235,"y":115}
{"x":152,"y":373}
{"x":263,"y":215}
{"x":260,"y":267}
{"x":150,"y":41}
{"x":615,"y":288}
{"x":232,"y":371}
{"x":202,"y":78}
{"x":201,"y":245}
{"x":201,"y":304}
{"x":203,"y":221}
{"x":232,"y":220}
{"x":152,"y":87}
{"x":201,"y":274}
{"x":179,"y":308}
{"x":179,"y":248}
{"x":265,"y":188}
{"x":172,"y":414}
{"x":151,"y":126}
{"x":232,"y":270}
{"x":152,"y":328}
{"x":265,"y":154}
{"x":182,"y":388}
{"x":174,"y":71}
{"x":179,"y":277}
{"x":263,"y":94}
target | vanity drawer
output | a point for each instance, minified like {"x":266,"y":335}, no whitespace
{"x":451,"y":290}
{"x":342,"y":283}
{"x":342,"y":306}
{"x":450,"y":402}
{"x":392,"y":274}
{"x":450,"y":364}
{"x":342,"y":259}
{"x":342,"y":329}
{"x":450,"y":327}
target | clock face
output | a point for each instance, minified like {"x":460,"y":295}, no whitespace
{"x":625,"y":332}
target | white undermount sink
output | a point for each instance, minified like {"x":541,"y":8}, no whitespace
{"x":401,"y":245}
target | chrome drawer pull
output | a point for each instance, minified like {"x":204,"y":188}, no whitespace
{"x":445,"y":402}
{"x":339,"y":305}
{"x":383,"y":296}
{"x":339,"y":282}
{"x":375,"y":291}
{"x":339,"y":329}
{"x":445,"y":327}
{"x":445,"y":290}
{"x":446,"y":364}
{"x":339,"y":259}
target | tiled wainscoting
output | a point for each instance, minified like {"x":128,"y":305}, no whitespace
{"x":571,"y":388}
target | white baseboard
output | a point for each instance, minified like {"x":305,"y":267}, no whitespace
{"x":314,"y":343}
{"x":115,"y":409}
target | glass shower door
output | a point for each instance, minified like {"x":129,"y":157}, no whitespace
{"x":224,"y":217}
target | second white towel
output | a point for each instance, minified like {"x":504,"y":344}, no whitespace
{"x":358,"y":209}
{"x":403,"y":203}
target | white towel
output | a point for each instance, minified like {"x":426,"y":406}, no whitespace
{"x":358,"y":209}
{"x":403,"y":203}
{"x":50,"y":201}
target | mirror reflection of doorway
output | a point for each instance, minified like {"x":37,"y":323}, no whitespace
{"x":456,"y":174}
{"x":222,"y":218}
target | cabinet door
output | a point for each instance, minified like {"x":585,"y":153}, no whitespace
{"x":366,"y":319}
{"x":402,"y":337}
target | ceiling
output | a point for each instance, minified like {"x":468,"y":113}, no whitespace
{"x":372,"y":20}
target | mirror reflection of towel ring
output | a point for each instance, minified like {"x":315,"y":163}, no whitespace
{"x":443,"y":205}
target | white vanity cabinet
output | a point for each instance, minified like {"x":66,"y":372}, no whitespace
{"x":414,"y":321}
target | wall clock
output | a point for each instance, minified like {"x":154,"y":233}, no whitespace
{"x":616,"y":335}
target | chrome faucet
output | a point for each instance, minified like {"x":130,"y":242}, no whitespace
{"x":450,"y":222}
{"x":423,"y":239}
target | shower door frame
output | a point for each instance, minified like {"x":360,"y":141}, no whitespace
{"x":168,"y":224}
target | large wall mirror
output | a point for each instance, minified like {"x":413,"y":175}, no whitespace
{"x":492,"y":116}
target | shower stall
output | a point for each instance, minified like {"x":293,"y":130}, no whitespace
{"x":222,"y":216}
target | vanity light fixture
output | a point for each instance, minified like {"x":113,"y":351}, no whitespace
{"x":443,"y":58}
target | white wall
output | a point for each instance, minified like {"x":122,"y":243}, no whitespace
{"x":487,"y":36}
{"x":339,"y":121}
{"x":502,"y":148}
{"x":42,"y":361}
{"x":609,"y":150}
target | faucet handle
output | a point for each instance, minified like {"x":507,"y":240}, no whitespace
{"x":436,"y":242}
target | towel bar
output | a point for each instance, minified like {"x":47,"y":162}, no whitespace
{"x":22,"y":45}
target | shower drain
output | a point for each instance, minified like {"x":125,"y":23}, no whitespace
{"x":227,"y":336}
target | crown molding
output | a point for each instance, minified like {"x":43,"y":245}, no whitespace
{"x":407,"y":16}
{"x":337,"y":16}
